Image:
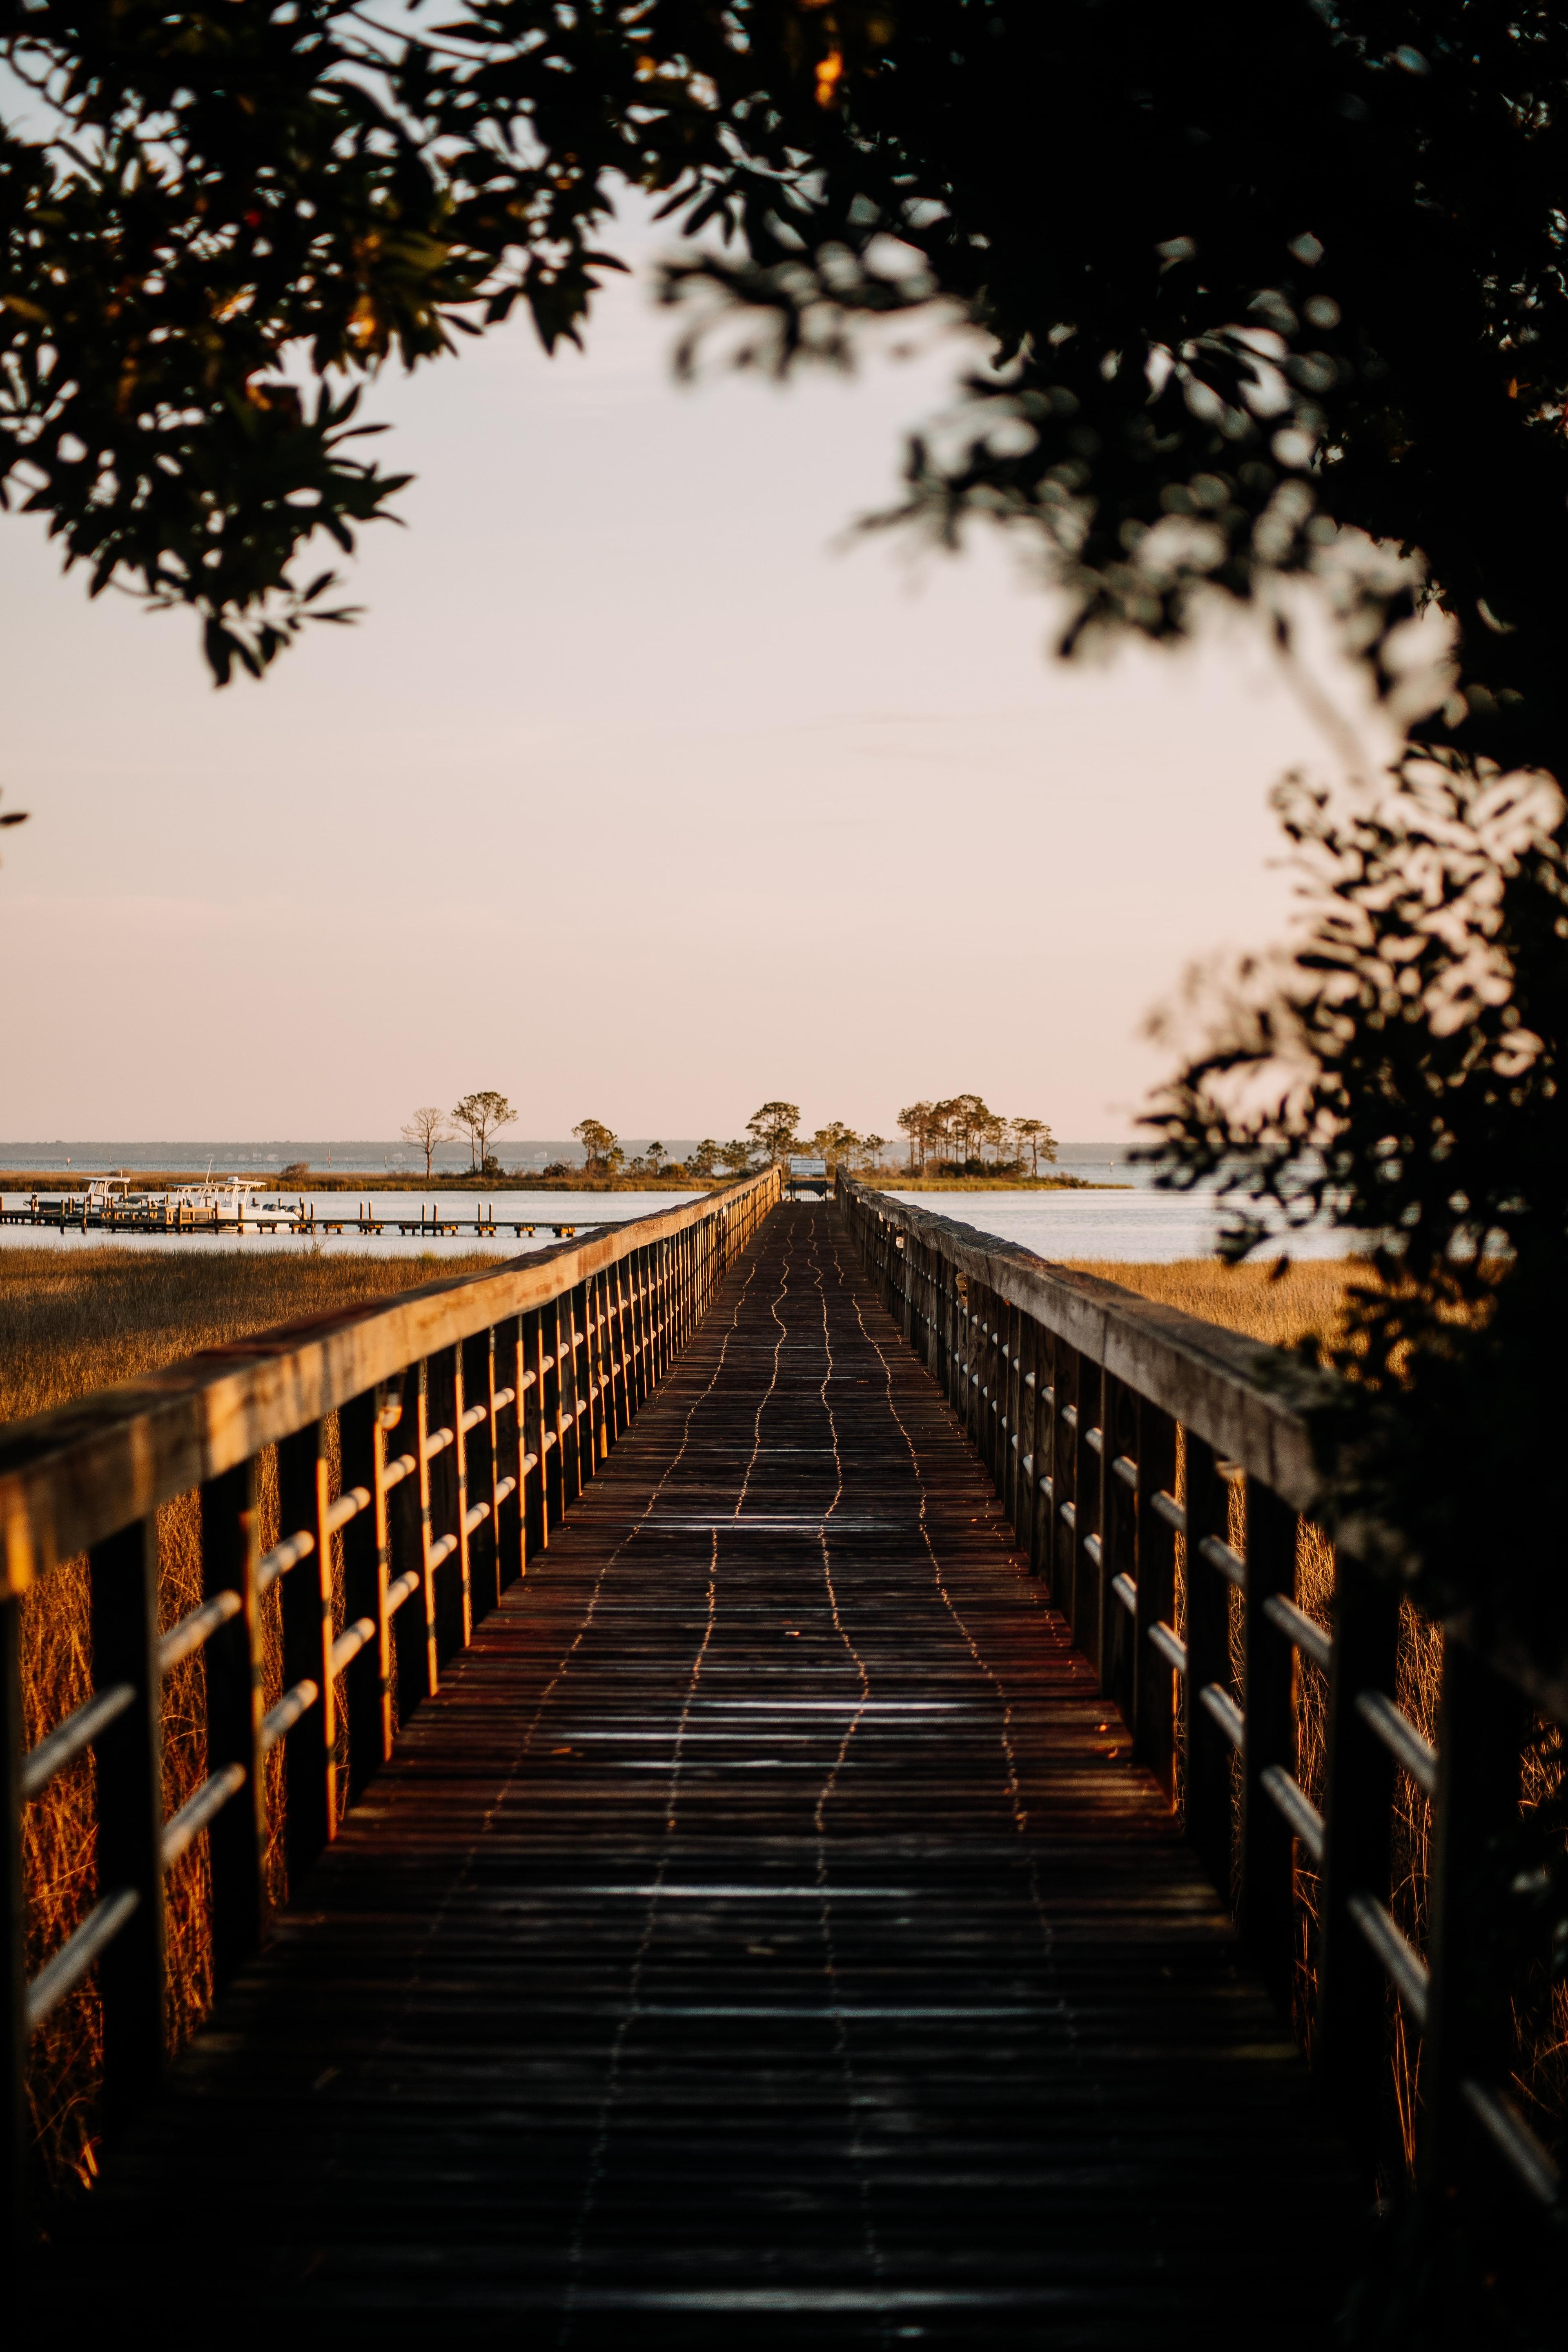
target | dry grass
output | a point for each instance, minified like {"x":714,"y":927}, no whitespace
{"x":1306,"y":1300}
{"x":71,"y":1322}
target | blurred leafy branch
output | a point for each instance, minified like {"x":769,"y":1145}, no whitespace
{"x":1239,"y":281}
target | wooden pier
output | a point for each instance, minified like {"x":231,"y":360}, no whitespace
{"x":769,"y":1924}
{"x":67,"y":1213}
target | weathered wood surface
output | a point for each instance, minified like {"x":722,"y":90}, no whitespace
{"x":763,"y":1937}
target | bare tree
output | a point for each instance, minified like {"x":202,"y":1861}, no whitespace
{"x":427,"y":1128}
{"x":482,"y":1116}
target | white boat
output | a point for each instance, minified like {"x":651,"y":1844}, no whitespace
{"x":236,"y":1204}
{"x":118,"y":1194}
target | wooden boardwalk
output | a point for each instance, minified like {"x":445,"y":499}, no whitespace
{"x":761,"y":1938}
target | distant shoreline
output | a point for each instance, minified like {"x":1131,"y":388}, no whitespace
{"x":376,"y":1180}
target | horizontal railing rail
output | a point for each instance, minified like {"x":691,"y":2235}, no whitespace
{"x":1155,"y":1467}
{"x":469,"y":1415}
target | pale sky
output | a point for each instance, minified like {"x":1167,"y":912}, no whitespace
{"x":632,"y":795}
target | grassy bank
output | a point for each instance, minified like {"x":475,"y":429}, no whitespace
{"x":894,"y":1179}
{"x":1306,"y":1301}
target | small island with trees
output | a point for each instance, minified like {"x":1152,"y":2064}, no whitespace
{"x":957,"y":1142}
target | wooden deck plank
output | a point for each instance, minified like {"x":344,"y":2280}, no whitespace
{"x":762,"y":1936}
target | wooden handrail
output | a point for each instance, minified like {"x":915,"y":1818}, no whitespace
{"x":1249,"y":1401}
{"x":1081,"y":1397}
{"x":502,"y":1392}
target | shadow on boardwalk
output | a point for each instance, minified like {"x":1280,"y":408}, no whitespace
{"x":763,"y":1938}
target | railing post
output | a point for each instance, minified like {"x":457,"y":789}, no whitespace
{"x":447,"y":1502}
{"x":1013,"y":1327}
{"x":631,"y":1389}
{"x":536,"y":1521}
{"x":1483,"y":1722}
{"x":1089,"y":1581}
{"x":367,"y":1685}
{"x":615,"y":1308}
{"x":508,"y":1453}
{"x":1210,"y":1809}
{"x":637,"y":1266}
{"x":1043,"y":1550}
{"x":309,"y":1754}
{"x":14,"y":1927}
{"x":481,"y":1474}
{"x":1118,"y":1542}
{"x":1027,"y":1482}
{"x":572,"y":1478}
{"x":1153,"y":1679}
{"x":996,"y":1382}
{"x":552,"y":1472}
{"x":600,"y":1401}
{"x":414,"y":1623}
{"x":1064,"y":1503}
{"x":236,"y":1842}
{"x":1357,"y":1803}
{"x":129,"y":1785}
{"x":1266,"y":1908}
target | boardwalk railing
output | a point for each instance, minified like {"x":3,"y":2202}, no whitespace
{"x":1156,"y":1470}
{"x":469,"y":1416}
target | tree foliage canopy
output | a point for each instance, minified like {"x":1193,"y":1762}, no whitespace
{"x":482,"y":1116}
{"x":1202,"y":252}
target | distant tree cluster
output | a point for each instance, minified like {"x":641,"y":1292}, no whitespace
{"x":479,"y":1117}
{"x":603,"y":1154}
{"x":956,"y":1137}
{"x":962,"y":1135}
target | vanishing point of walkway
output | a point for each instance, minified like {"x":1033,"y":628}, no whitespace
{"x":763,"y":1938}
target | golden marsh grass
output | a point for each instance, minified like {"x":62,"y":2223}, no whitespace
{"x":71,"y":1322}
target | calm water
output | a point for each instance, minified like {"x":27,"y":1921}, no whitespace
{"x":1137,"y":1222}
{"x":585,"y":1211}
{"x":369,"y":1156}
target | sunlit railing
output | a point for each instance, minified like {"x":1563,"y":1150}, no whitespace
{"x":1156,"y":1470}
{"x":469,"y":1416}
